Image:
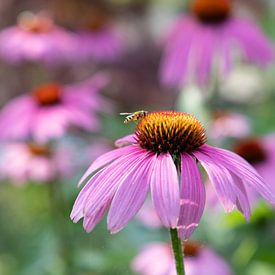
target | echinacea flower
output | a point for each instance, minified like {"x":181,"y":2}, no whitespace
{"x":148,"y":216}
{"x":98,"y":39}
{"x":49,"y":110}
{"x":24,"y":162}
{"x":260,"y":153}
{"x":36,"y":38}
{"x":157,"y":259}
{"x":229,"y":125}
{"x":211,"y":38}
{"x":162,"y":155}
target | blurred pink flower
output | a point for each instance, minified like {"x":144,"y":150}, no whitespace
{"x":125,"y":175}
{"x":229,"y":125}
{"x":25,"y":162}
{"x":50,"y":109}
{"x":36,"y":38}
{"x":102,"y":45}
{"x":157,"y":259}
{"x":260,"y":153}
{"x":148,"y":216}
{"x":211,"y":37}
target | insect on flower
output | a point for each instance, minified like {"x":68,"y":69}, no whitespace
{"x":134,"y":116}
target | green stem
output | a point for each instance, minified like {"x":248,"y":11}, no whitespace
{"x":59,"y":214}
{"x":177,"y":249}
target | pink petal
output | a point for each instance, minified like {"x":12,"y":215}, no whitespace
{"x":127,"y":140}
{"x":130,"y":195}
{"x":106,"y":159}
{"x":242,"y":198}
{"x":77,"y":211}
{"x":221,"y":179}
{"x":105,"y":186}
{"x":90,"y":222}
{"x":165,"y":190}
{"x":241,"y":168}
{"x":192,"y":197}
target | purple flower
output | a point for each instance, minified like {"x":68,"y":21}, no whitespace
{"x":49,"y":110}
{"x":157,"y":259}
{"x":260,"y":153}
{"x":162,"y":156}
{"x":101,"y":45}
{"x":229,"y":125}
{"x":34,"y":162}
{"x":209,"y":38}
{"x":36,"y":38}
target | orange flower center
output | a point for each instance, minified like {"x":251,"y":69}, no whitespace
{"x":251,"y":150}
{"x":170,"y":131}
{"x":39,"y":150}
{"x":34,"y":23}
{"x":211,"y":11}
{"x":48,"y":94}
{"x":191,"y":248}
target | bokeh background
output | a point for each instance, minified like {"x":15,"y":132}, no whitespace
{"x":36,"y":233}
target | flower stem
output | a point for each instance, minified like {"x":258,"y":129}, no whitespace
{"x":59,"y":213}
{"x":177,"y":249}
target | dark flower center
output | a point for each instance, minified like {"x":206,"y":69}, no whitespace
{"x":34,"y":23}
{"x":251,"y":150}
{"x":39,"y":150}
{"x":191,"y":248}
{"x":48,"y":94}
{"x":97,"y":17}
{"x":170,"y":131}
{"x":97,"y":22}
{"x":211,"y":11}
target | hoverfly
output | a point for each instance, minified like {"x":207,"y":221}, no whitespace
{"x":134,"y":116}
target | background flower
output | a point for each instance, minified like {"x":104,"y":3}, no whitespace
{"x":49,"y":110}
{"x":36,"y":38}
{"x":157,"y":259}
{"x":24,"y":162}
{"x":210,"y":39}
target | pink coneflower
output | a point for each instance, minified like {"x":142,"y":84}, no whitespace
{"x":209,"y":38}
{"x":157,"y":259}
{"x":36,"y":38}
{"x":162,"y":155}
{"x":99,"y":39}
{"x":148,"y":216}
{"x":25,"y":162}
{"x":50,"y":109}
{"x":260,"y":153}
{"x":229,"y":125}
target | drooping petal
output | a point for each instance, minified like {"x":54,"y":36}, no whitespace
{"x":127,"y":140}
{"x":241,"y":168}
{"x":105,"y":186}
{"x":89,"y":222}
{"x":192,"y":196}
{"x":165,"y":190}
{"x":130,"y":195}
{"x":77,"y":211}
{"x":242,"y":198}
{"x":221,"y":179}
{"x":106,"y":159}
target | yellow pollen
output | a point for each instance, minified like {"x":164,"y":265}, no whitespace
{"x":211,"y":11}
{"x":170,"y":131}
{"x":48,"y":94}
